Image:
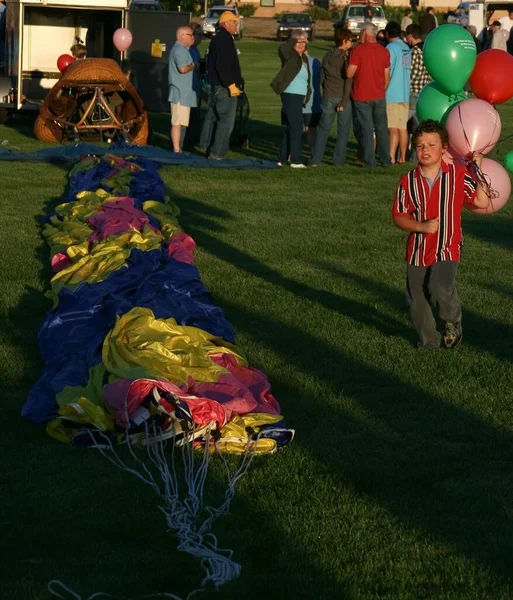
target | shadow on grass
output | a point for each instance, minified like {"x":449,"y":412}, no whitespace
{"x":432,"y":466}
{"x":437,"y":467}
{"x":480,"y":331}
{"x":495,"y":230}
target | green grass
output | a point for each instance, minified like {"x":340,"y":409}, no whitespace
{"x":399,"y":484}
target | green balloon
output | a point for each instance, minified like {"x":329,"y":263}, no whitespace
{"x":433,"y":103}
{"x":508,"y":161}
{"x":450,"y":55}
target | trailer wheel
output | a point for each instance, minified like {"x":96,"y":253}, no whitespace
{"x":4,"y":115}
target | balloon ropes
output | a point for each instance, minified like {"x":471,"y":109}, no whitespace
{"x":474,"y":125}
{"x":139,"y":364}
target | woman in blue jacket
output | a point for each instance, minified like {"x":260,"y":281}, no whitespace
{"x":293,"y":83}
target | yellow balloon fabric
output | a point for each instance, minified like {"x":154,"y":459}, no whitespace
{"x":105,"y":257}
{"x":235,"y":437}
{"x":141,"y":346}
{"x":166,"y":216}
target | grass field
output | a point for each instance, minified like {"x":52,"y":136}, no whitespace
{"x":400,"y":482}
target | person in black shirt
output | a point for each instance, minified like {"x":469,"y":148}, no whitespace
{"x":225,"y":78}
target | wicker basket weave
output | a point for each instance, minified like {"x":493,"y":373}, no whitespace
{"x":55,"y":121}
{"x":47,"y":131}
{"x":93,"y":70}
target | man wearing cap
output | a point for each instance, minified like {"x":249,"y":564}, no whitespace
{"x":224,"y":76}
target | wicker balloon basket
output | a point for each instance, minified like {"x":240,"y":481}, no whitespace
{"x":93,"y":99}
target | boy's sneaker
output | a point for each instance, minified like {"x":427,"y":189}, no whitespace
{"x":453,"y":334}
{"x":297,"y":166}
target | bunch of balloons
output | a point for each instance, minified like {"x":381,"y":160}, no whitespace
{"x":474,"y":125}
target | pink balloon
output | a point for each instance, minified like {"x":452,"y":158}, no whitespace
{"x":122,"y":39}
{"x":474,"y":126}
{"x":500,"y":183}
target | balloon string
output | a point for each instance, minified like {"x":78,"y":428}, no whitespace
{"x":484,"y":180}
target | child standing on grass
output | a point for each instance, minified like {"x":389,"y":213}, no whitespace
{"x":428,"y":205}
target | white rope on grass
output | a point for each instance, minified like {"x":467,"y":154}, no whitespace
{"x":182,"y":514}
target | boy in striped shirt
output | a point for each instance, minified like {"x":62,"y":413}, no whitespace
{"x":428,"y":205}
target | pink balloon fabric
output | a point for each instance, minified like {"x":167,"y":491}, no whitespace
{"x":500,"y":184}
{"x":122,"y":39}
{"x":474,"y":126}
{"x":126,"y":396}
{"x":60,"y":261}
{"x":181,"y":247}
{"x":117,"y":217}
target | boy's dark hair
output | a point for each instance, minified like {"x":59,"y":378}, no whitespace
{"x":429,"y":9}
{"x":342,"y":34}
{"x":414,"y":31}
{"x":496,"y":24}
{"x":430,"y":126}
{"x":393,"y":29}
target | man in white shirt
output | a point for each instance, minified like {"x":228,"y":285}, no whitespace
{"x":500,"y":37}
{"x":406,"y":20}
{"x":507,"y":22}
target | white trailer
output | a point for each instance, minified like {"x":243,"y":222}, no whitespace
{"x":39,"y":31}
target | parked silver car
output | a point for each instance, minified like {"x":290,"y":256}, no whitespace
{"x":210,"y":20}
{"x":354,"y":15}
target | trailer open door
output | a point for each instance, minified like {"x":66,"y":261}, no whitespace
{"x":154,"y":33}
{"x":13,"y":49}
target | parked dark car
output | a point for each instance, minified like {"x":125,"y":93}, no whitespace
{"x":290,"y":21}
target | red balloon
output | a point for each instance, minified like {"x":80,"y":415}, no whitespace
{"x":492,"y":77}
{"x":64,"y":61}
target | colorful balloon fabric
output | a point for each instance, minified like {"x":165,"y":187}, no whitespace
{"x":488,"y":81}
{"x":450,"y":55}
{"x":133,"y":342}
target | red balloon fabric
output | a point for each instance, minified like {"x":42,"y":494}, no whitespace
{"x":492,"y":77}
{"x":64,"y":61}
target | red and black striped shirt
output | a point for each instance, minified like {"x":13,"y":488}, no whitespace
{"x":444,"y":201}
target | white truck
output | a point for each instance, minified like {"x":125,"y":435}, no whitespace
{"x":480,"y":14}
{"x":39,"y":31}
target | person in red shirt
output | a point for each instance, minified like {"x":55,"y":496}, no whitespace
{"x":369,"y":65}
{"x":428,"y":204}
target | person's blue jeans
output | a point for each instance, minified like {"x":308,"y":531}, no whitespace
{"x":328,"y":113}
{"x":292,"y":140}
{"x":372,"y":117}
{"x":219,"y":122}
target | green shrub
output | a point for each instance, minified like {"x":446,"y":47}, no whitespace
{"x":247,"y":10}
{"x":321,"y":14}
{"x":396,"y":13}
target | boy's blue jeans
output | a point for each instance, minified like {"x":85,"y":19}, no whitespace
{"x":433,"y":284}
{"x":372,"y":117}
{"x":328,"y":113}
